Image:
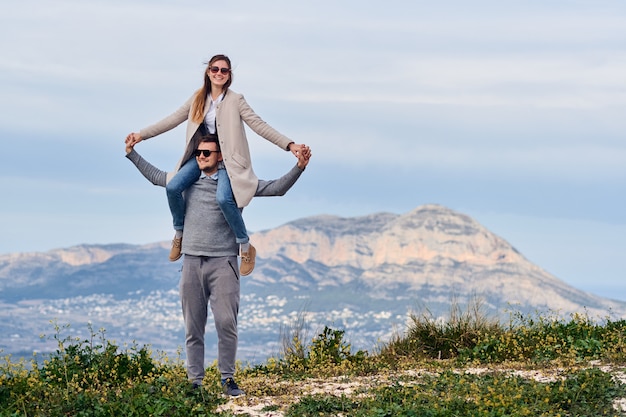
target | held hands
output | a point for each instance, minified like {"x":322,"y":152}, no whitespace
{"x":302,"y":152}
{"x":133,"y":138}
{"x":303,"y":155}
{"x":295,"y":148}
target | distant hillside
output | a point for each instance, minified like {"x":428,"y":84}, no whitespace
{"x":430,"y":253}
{"x":362,"y":274}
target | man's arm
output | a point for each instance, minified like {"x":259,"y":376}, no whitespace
{"x":152,"y":173}
{"x":280,"y":186}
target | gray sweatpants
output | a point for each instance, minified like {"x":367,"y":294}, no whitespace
{"x":214,"y":281}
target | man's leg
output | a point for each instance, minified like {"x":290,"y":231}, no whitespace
{"x":194,"y":299}
{"x":224,"y":300}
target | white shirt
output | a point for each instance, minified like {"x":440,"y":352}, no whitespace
{"x":209,"y":119}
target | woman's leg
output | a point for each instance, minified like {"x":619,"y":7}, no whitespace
{"x":232,"y":213}
{"x":186,"y":175}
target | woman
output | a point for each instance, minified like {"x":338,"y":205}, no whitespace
{"x":215,"y":109}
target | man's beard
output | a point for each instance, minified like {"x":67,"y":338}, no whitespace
{"x":208,"y":167}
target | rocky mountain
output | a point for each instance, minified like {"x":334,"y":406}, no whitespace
{"x":364,"y":275}
{"x":431,"y":253}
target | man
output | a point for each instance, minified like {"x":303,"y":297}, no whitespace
{"x":210,"y":275}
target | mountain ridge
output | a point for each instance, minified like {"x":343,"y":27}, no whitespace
{"x":395,"y":247}
{"x":364,"y":274}
{"x":429,"y":246}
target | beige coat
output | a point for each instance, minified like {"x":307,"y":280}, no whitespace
{"x":230,"y":115}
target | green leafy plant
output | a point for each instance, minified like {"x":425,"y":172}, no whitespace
{"x":542,"y":339}
{"x":94,"y":377}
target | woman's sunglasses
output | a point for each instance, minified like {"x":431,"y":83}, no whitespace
{"x":214,"y":70}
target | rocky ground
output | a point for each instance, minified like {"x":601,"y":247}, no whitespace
{"x":274,"y":397}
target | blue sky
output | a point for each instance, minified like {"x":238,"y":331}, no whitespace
{"x":509,"y":111}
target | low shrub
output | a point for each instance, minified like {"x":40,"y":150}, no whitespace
{"x":94,"y":377}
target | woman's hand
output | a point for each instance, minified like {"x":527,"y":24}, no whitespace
{"x":295,"y":148}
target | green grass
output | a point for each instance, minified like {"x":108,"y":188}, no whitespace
{"x":581,"y":393}
{"x":424,"y":372}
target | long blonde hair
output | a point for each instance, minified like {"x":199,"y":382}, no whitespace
{"x":199,"y":101}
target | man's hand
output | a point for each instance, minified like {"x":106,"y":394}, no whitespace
{"x":304,"y":155}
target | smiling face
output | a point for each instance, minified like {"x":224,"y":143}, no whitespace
{"x":208,"y":163}
{"x":219,"y":73}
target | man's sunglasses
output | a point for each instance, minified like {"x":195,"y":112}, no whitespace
{"x":205,"y":152}
{"x":214,"y":70}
